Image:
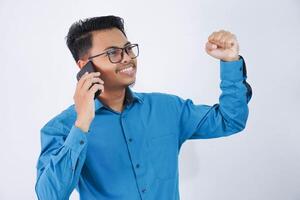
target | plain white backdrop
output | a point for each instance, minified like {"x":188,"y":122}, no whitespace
{"x":38,"y":81}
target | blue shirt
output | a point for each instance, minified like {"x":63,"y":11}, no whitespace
{"x":133,"y":155}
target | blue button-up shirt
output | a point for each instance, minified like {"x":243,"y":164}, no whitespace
{"x":133,"y":155}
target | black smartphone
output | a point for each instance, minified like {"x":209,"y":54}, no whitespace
{"x":89,"y":67}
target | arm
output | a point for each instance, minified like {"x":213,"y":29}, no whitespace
{"x":64,"y":149}
{"x":230,"y":115}
{"x":60,"y":163}
{"x":223,"y":119}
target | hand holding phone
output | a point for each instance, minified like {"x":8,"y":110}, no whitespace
{"x":89,"y":67}
{"x":88,"y":85}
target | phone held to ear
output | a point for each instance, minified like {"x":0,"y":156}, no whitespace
{"x":89,"y":67}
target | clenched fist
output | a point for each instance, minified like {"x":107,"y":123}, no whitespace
{"x":223,"y":45}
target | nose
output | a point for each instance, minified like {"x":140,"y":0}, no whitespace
{"x":126,"y":58}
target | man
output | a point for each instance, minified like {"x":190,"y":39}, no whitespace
{"x":124,"y":145}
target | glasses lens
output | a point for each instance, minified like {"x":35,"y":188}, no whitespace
{"x":132,"y":50}
{"x":115,"y":55}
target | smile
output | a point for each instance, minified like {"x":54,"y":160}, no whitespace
{"x":128,"y":70}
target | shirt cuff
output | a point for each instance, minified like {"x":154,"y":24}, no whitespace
{"x":76,"y":139}
{"x":232,"y":70}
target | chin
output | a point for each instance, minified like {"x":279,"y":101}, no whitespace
{"x":131,"y":84}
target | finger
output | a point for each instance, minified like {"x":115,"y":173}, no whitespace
{"x":231,"y":41}
{"x":95,"y":88}
{"x":225,"y":40}
{"x":214,"y":36}
{"x":218,"y":37}
{"x":87,"y":84}
{"x":85,"y":77}
{"x":210,"y":46}
{"x":211,"y":36}
{"x":80,"y":82}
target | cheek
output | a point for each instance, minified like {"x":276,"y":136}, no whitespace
{"x":106,"y":68}
{"x":109,"y":72}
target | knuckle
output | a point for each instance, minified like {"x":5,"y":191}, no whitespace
{"x":218,"y":37}
{"x":95,"y":74}
{"x":85,"y":75}
{"x":95,"y":87}
{"x":212,"y":35}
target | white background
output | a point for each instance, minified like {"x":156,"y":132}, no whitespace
{"x":38,"y":80}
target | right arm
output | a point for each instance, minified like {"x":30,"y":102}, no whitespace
{"x":63,"y":152}
{"x":60,"y":163}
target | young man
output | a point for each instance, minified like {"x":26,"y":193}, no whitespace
{"x":124,"y":145}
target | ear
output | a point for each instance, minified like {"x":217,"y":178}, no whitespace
{"x":80,"y":63}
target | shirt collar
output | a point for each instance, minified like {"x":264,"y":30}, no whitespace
{"x":130,"y":97}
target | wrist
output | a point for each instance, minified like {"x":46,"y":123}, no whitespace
{"x":84,"y":126}
{"x":231,"y":59}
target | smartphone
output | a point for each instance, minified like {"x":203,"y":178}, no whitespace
{"x":89,"y":67}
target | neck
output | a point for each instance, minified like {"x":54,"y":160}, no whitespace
{"x":113,"y":98}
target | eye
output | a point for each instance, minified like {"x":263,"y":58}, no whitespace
{"x":112,"y":52}
{"x":129,"y":48}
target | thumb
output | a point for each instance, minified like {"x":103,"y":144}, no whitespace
{"x":214,"y":51}
{"x":210,"y":46}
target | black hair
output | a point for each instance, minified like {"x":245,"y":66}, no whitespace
{"x":79,"y":38}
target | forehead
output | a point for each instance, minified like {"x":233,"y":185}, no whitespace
{"x":106,"y":38}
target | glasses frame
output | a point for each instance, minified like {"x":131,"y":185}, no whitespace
{"x":122,"y":53}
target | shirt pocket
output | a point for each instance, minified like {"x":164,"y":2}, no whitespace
{"x":164,"y":156}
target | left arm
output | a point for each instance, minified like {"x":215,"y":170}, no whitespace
{"x":229,"y":116}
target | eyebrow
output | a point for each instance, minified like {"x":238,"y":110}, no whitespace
{"x":111,"y":47}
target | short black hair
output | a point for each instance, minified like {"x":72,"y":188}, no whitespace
{"x":79,"y":38}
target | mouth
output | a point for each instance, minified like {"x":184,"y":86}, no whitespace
{"x":128,"y":70}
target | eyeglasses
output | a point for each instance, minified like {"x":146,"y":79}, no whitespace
{"x":116,"y":54}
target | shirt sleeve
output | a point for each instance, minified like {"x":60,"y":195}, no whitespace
{"x":60,"y":162}
{"x":225,"y":118}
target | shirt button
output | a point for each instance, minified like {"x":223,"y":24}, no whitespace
{"x":81,"y":142}
{"x":144,"y":190}
{"x":130,"y":139}
{"x":137,"y":166}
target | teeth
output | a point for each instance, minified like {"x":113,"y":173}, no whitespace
{"x":127,"y":69}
